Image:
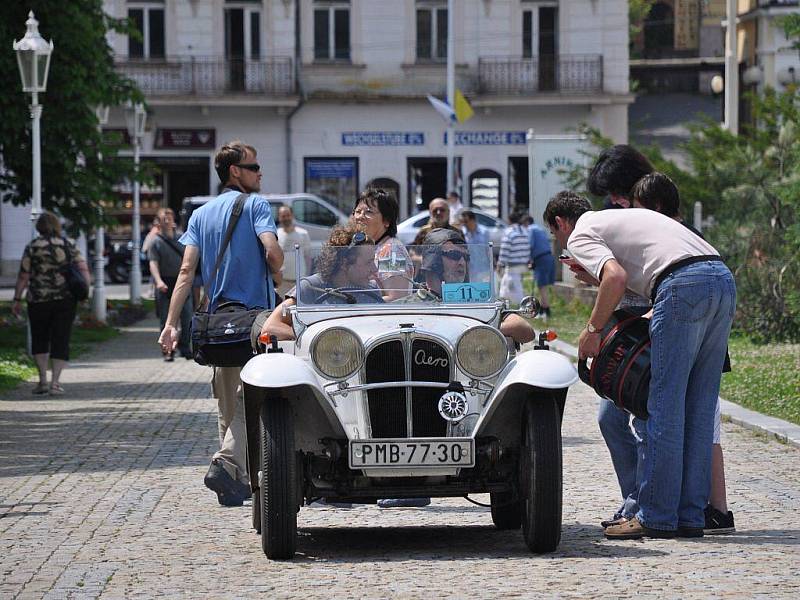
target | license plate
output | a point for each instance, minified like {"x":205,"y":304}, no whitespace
{"x":428,"y":452}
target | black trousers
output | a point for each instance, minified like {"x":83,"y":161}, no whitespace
{"x":51,"y":326}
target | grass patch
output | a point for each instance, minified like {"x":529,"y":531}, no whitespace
{"x":15,"y":364}
{"x":765,"y":378}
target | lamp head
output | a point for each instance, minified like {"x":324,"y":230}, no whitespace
{"x":33,"y":57}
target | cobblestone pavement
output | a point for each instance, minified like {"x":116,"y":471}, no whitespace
{"x":101,"y":495}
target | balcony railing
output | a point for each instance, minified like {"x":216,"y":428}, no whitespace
{"x":565,"y":74}
{"x":210,"y":76}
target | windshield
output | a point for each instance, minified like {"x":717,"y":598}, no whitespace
{"x":392,"y":273}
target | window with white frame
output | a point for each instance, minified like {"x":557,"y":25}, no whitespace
{"x":539,"y":29}
{"x":148,"y":19}
{"x":243,"y":29}
{"x":431,"y":30}
{"x":331,"y":30}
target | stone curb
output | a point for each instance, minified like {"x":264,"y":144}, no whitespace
{"x":783,"y":431}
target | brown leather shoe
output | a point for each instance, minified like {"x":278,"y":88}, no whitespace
{"x":633,"y":530}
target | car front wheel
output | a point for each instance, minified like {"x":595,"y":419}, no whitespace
{"x":541,"y":475}
{"x":278,"y":489}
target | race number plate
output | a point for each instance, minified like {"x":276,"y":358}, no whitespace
{"x":425,"y":452}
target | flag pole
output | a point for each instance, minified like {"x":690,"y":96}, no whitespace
{"x":451,"y":96}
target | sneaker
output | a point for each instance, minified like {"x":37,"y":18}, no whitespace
{"x":689,"y":532}
{"x":717,"y":522}
{"x":229,"y":491}
{"x":169,"y":357}
{"x":403,"y":502}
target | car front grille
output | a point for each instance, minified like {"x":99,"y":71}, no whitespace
{"x":388,"y":408}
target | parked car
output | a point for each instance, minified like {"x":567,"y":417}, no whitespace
{"x":418,"y":397}
{"x":311,"y":212}
{"x":408,"y":229}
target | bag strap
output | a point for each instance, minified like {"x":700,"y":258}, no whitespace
{"x":236,"y":212}
{"x":171,"y":244}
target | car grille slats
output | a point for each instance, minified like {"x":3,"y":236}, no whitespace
{"x":387,"y":407}
{"x":429,"y":361}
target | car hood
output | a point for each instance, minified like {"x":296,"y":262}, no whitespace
{"x":447,"y":326}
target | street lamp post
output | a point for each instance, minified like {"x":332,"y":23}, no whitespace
{"x":136,"y":116}
{"x":99,"y":292}
{"x":33,"y":58}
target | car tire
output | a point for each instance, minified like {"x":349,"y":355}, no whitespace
{"x":118,"y":272}
{"x":277,"y":498}
{"x":541,"y":474}
{"x":257,"y":511}
{"x":506,"y":510}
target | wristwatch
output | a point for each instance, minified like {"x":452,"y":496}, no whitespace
{"x":591,"y":328}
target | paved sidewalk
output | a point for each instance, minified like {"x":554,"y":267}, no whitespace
{"x":101,"y":495}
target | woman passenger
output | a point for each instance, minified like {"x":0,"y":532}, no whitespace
{"x":375,"y":213}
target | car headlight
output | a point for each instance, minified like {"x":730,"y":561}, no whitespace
{"x":337,"y":353}
{"x":482,"y":352}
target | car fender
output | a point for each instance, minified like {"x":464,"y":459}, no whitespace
{"x":536,"y":372}
{"x":287,"y":376}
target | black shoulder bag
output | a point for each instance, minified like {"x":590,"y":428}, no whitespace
{"x":222,"y":338}
{"x":77,"y":285}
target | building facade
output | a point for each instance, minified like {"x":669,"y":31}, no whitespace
{"x":332,"y":93}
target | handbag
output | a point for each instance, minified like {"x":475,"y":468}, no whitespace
{"x":77,"y":285}
{"x":222,"y":338}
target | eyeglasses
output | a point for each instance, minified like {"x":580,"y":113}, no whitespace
{"x":253,"y":167}
{"x":455,"y":255}
{"x":364,"y":212}
{"x":359,"y":238}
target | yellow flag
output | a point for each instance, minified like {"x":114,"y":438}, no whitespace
{"x":464,"y":111}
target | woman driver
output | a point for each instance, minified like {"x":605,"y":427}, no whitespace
{"x":342,"y":277}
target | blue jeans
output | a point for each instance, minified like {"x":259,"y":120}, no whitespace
{"x":692,"y":317}
{"x":624,"y":450}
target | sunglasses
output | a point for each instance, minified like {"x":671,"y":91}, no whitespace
{"x":359,"y":238}
{"x":253,"y":167}
{"x":455,"y":255}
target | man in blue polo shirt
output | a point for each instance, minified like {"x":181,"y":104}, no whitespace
{"x":245,"y":275}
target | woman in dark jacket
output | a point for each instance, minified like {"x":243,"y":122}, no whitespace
{"x":51,"y":307}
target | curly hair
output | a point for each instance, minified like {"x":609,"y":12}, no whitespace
{"x":330,"y":258}
{"x":567,"y":205}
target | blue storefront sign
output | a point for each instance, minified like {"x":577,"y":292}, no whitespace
{"x":383,"y":138}
{"x":327,"y":168}
{"x":488,"y":138}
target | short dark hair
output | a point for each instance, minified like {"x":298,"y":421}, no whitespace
{"x":453,"y":193}
{"x":467,"y":214}
{"x":384,"y":202}
{"x":617,"y":170}
{"x":229,"y":155}
{"x":516,"y":216}
{"x":567,"y":205}
{"x":48,"y":225}
{"x":658,"y":192}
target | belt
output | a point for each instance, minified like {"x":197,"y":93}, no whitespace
{"x":679,"y":265}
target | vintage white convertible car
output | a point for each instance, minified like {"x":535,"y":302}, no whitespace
{"x":403,"y":393}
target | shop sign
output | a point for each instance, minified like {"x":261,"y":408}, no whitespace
{"x":383,"y":138}
{"x":488,"y":138}
{"x":186,"y":138}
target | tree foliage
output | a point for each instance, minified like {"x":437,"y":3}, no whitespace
{"x":637,"y":12}
{"x":77,"y":171}
{"x":750,"y":186}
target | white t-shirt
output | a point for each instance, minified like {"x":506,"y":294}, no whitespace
{"x":287,"y":241}
{"x":642,"y":241}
